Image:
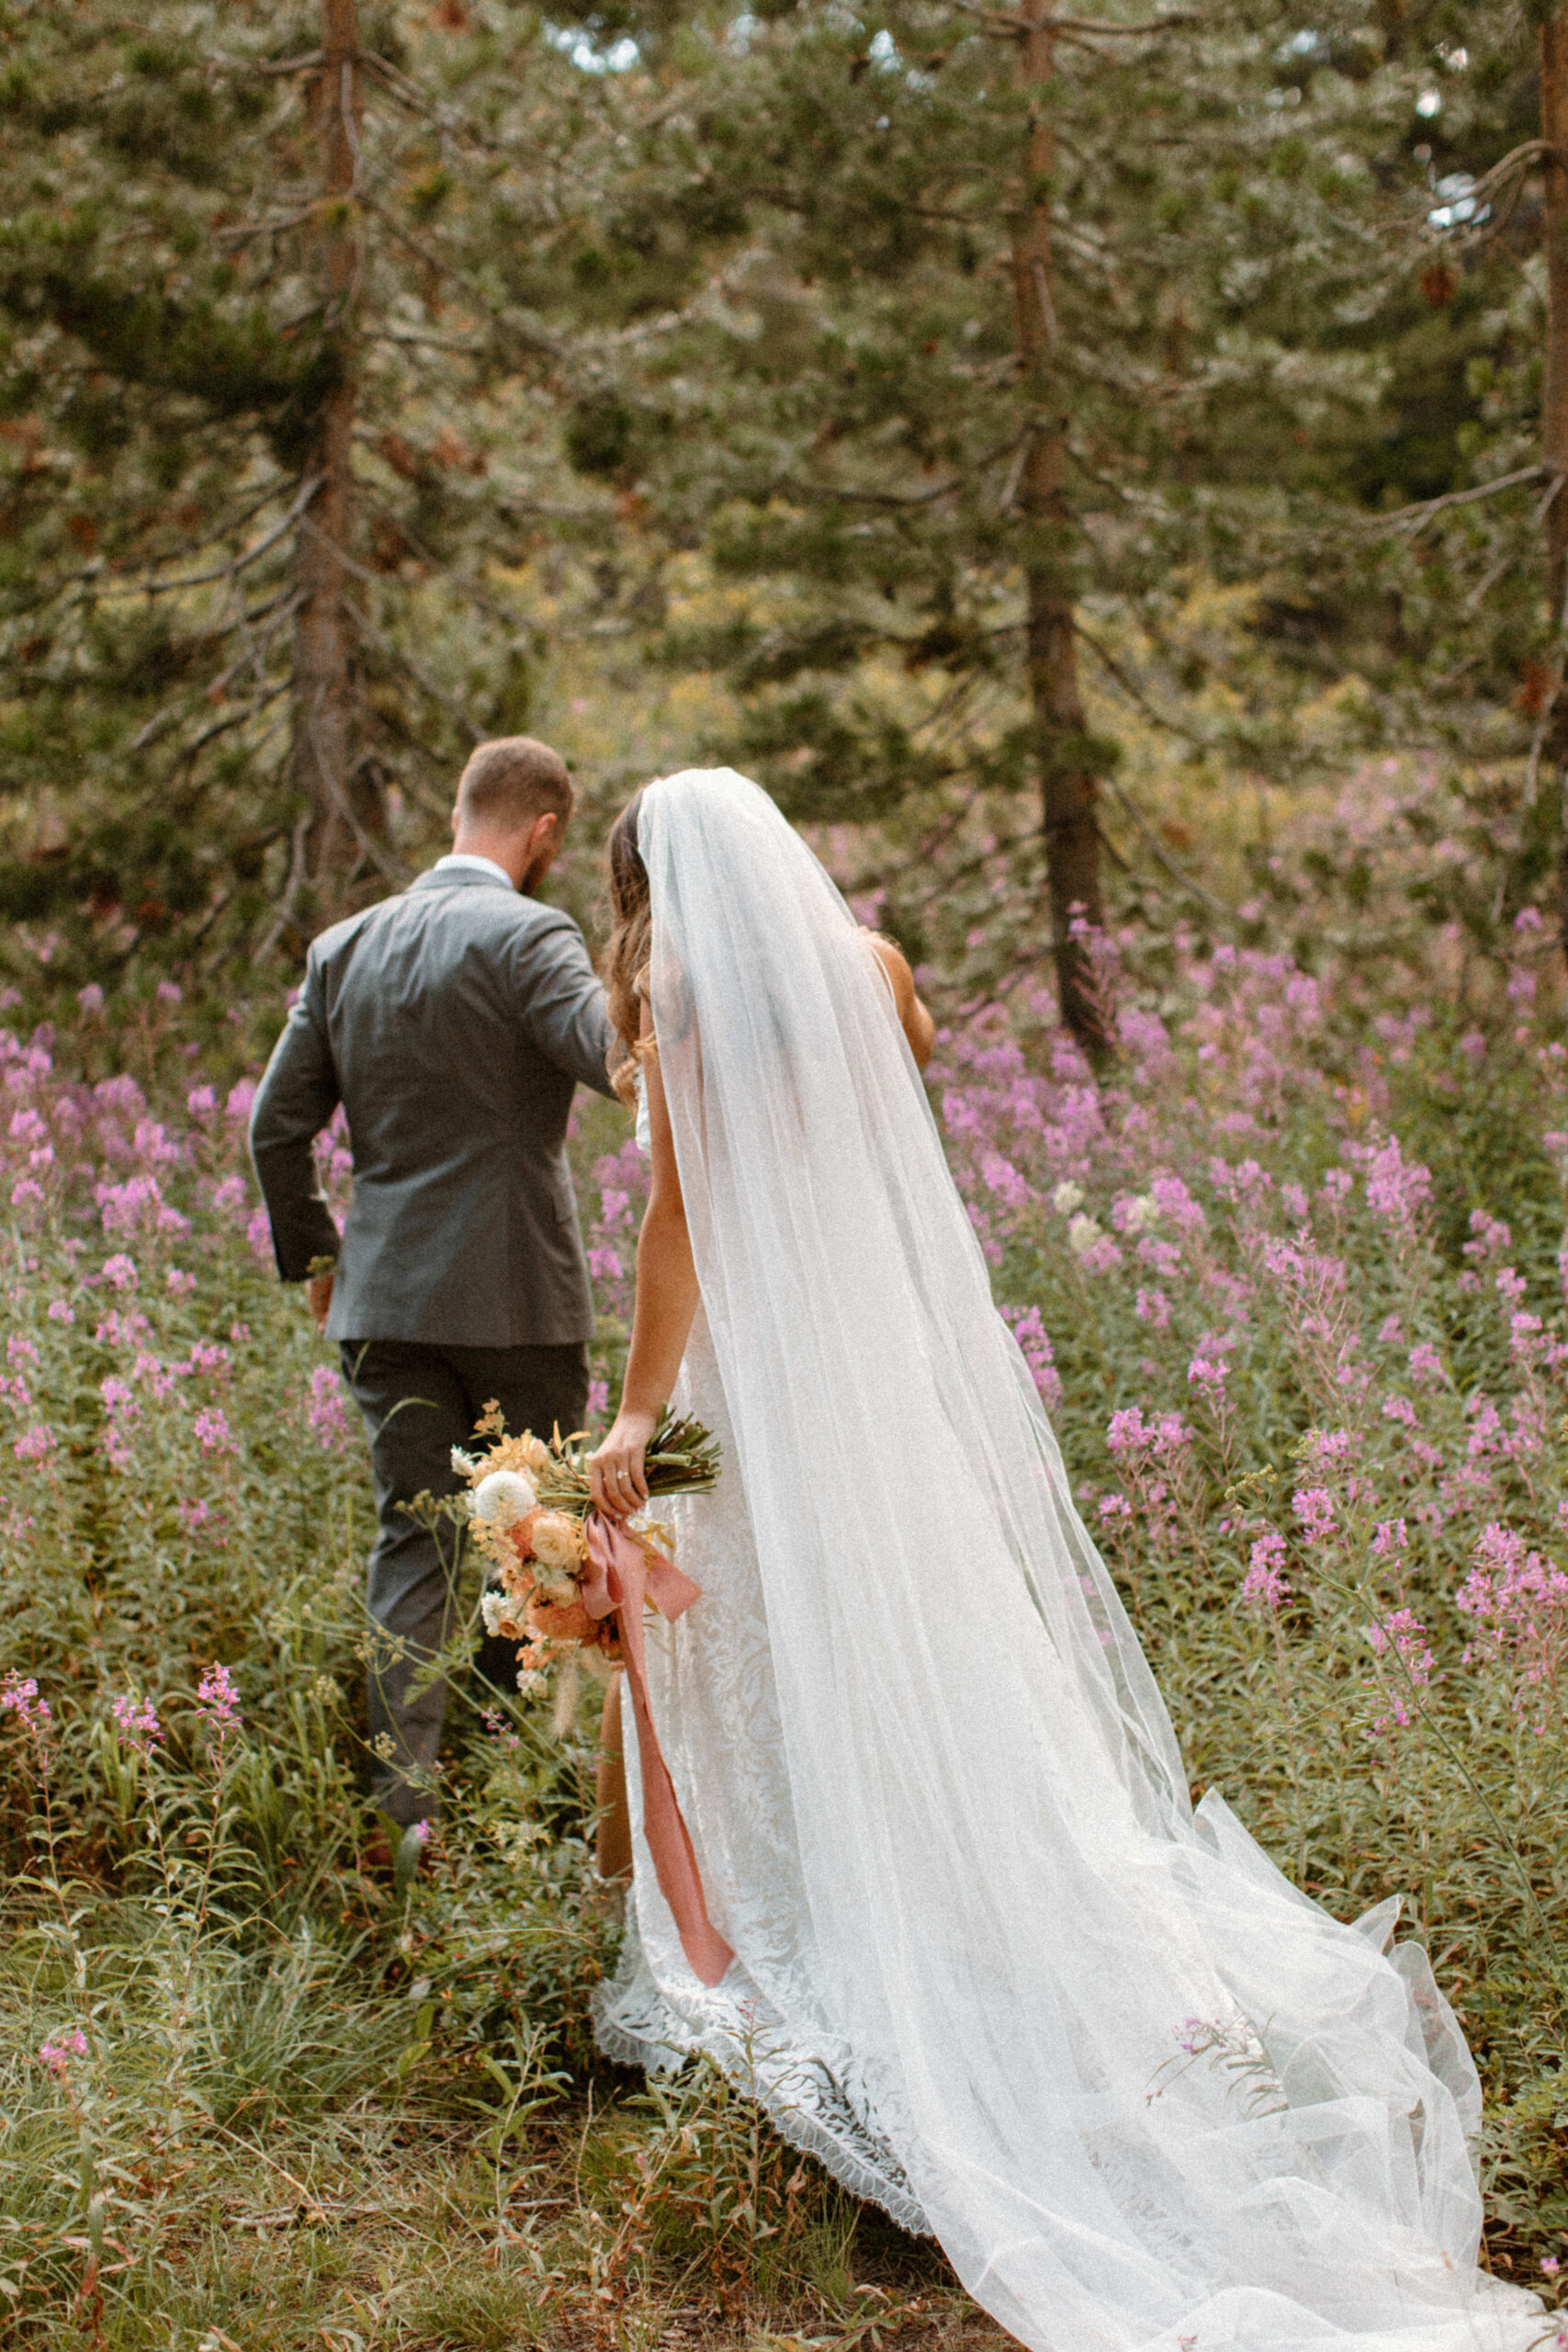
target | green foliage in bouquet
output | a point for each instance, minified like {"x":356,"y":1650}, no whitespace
{"x":683,"y":1458}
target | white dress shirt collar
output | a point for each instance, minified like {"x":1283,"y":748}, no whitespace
{"x":480,"y":864}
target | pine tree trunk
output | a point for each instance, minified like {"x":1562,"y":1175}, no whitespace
{"x":326,"y":687}
{"x":1554,"y":406}
{"x":1068,"y":783}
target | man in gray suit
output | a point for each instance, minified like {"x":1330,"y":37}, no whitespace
{"x":454,"y":1023}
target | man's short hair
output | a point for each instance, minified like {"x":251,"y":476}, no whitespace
{"x":509,"y":782}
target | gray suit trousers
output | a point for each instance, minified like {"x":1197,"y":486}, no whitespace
{"x":420,"y":1400}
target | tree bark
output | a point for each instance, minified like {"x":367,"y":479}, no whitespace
{"x":325,"y":694}
{"x":1068,"y":777}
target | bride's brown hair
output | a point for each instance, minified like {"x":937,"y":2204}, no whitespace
{"x":626,"y":954}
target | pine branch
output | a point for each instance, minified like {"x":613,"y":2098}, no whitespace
{"x":267,"y":67}
{"x":1081,"y":29}
{"x":1135,"y":695}
{"x":532,"y":341}
{"x":224,"y":572}
{"x":403,"y":660}
{"x":1184,"y":881}
{"x":1413,"y":520}
{"x":277,"y":609}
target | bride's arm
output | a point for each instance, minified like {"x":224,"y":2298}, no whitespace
{"x":917,"y":1022}
{"x":661,"y":1320}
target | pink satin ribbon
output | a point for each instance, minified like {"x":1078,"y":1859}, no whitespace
{"x":620,"y":1572}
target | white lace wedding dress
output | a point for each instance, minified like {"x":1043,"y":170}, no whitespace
{"x":990,"y":1966}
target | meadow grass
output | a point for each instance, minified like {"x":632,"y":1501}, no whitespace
{"x":1288,"y":1278}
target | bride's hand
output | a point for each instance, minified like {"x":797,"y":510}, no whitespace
{"x":616,"y":1479}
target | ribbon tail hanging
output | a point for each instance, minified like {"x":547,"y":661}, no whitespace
{"x":619,"y":1579}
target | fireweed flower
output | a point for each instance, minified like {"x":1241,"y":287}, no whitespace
{"x":1403,"y":1636}
{"x":217,"y":1701}
{"x":213,"y":1433}
{"x":121,"y":1274}
{"x":18,"y":1697}
{"x":1397,"y":1188}
{"x":1264,"y":1585}
{"x":325,"y":1411}
{"x":1029,"y":1331}
{"x":1313,"y":1506}
{"x":136,"y":1720}
{"x":57,"y":2055}
{"x":35,"y":1444}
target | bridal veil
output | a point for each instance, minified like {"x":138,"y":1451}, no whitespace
{"x":1150,"y":2097}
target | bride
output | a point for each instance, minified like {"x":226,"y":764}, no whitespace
{"x":989,"y":1964}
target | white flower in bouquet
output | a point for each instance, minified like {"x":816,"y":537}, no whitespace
{"x":1082,"y":1234}
{"x":531,"y":1682}
{"x":464,"y":1464}
{"x":556,"y":1541}
{"x":1066,"y":1198}
{"x":504,"y":1498}
{"x":501,"y":1616}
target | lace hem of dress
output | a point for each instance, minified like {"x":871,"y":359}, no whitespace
{"x":802,"y":2099}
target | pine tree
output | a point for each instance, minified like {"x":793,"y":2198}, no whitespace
{"x":1428,"y":546}
{"x":294,"y":327}
{"x":1015,"y":337}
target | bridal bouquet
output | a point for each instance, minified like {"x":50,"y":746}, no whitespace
{"x":529,"y":1511}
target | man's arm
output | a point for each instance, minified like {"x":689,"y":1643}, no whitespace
{"x":294,"y":1102}
{"x":562,"y":1002}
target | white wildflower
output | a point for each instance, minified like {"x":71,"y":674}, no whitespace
{"x":492,"y":1606}
{"x":464,"y":1464}
{"x":1140,"y":1212}
{"x":1082,"y":1234}
{"x":504,"y":1498}
{"x":1066,"y":1198}
{"x":531,"y":1682}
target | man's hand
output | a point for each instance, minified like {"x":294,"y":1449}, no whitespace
{"x":318,"y":1296}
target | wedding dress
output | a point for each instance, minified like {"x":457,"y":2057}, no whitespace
{"x":991,"y":1967}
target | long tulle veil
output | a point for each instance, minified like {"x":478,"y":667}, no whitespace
{"x":1148,"y":2095}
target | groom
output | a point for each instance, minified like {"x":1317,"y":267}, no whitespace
{"x":454,"y":1023}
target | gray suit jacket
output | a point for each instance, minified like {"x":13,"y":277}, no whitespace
{"x":453,"y":1023}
